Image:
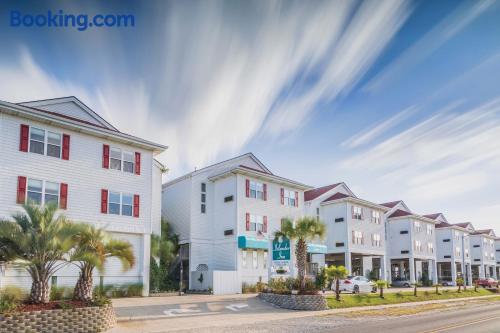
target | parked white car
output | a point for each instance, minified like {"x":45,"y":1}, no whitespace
{"x":356,"y":284}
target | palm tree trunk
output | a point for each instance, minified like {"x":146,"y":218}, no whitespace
{"x":301,"y":253}
{"x":84,"y":285}
{"x":337,"y":289}
{"x":40,"y":291}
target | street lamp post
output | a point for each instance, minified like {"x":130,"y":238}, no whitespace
{"x":465,"y":274}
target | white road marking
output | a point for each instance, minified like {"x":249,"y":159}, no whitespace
{"x":236,"y":307}
{"x":174,"y":312}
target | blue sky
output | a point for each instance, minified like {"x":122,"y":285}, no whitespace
{"x":400,"y":99}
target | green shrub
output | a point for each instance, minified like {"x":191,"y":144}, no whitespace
{"x":321,"y":279}
{"x":60,"y":293}
{"x":279,"y":286}
{"x":10,"y":298}
{"x":260,"y":287}
{"x":134,"y":289}
{"x":311,"y":287}
{"x":247,"y":288}
{"x":99,"y":298}
{"x":399,"y":295}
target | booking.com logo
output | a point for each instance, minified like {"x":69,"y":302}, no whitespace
{"x":59,"y":19}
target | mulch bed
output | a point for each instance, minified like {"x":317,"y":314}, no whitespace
{"x":69,"y":304}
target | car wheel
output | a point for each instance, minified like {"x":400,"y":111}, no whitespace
{"x":406,"y":285}
{"x":355,"y":290}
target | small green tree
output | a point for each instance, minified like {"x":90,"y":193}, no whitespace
{"x":39,"y":241}
{"x":381,"y":284}
{"x":305,"y":229}
{"x":415,"y":288}
{"x":336,"y":273}
{"x":460,"y":283}
{"x":437,"y":285}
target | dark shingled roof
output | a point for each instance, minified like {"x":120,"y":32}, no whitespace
{"x":337,"y":196}
{"x":399,"y":213}
{"x":314,"y":193}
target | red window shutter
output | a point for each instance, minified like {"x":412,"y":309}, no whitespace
{"x":21,"y":190}
{"x":104,"y":201}
{"x":63,"y":201}
{"x":248,"y":221}
{"x":24,"y":138}
{"x":265,"y":224}
{"x":264,"y":188}
{"x":296,"y":199}
{"x":65,"y":147}
{"x":137,"y":163}
{"x":247,"y":188}
{"x":282,"y":194}
{"x":136,"y":205}
{"x":105,"y":156}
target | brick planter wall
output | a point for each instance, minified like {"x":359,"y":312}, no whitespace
{"x":80,"y":320}
{"x":296,"y":302}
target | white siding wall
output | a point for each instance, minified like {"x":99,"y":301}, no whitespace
{"x":85,"y":178}
{"x":335,"y":232}
{"x":368,"y":228}
{"x":399,"y":242}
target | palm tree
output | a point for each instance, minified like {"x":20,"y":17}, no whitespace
{"x":336,"y":273}
{"x":381,"y":284}
{"x":93,"y":249}
{"x":164,"y":258}
{"x":305,"y":229}
{"x":460,"y":283}
{"x":38,"y":241}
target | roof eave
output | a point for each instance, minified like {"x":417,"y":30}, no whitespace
{"x":27,"y":112}
{"x":356,"y":200}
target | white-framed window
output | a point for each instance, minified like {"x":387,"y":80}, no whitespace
{"x":466,"y":252}
{"x":357,"y":237}
{"x":45,"y":142}
{"x":42,"y":192}
{"x":492,"y":243}
{"x":121,"y":160}
{"x":458,"y":234}
{"x":115,"y":158}
{"x":244,"y":258}
{"x":203,"y":198}
{"x":429,"y":229}
{"x":430,"y":247}
{"x":255,"y":260}
{"x":265,"y":259}
{"x":357,"y":212}
{"x":256,"y":190}
{"x":485,"y":241}
{"x":417,"y":226}
{"x":376,"y":240}
{"x":289,"y":198}
{"x":458,"y":252}
{"x":128,"y":162}
{"x":256,"y":222}
{"x":375,"y":216}
{"x":418,"y":246}
{"x":120,"y":203}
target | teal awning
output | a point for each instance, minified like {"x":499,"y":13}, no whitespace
{"x":245,"y":242}
{"x":316,"y":248}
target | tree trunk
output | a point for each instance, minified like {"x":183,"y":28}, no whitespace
{"x":40,"y":291}
{"x":337,"y":289}
{"x":415,"y":290}
{"x":381,"y":292}
{"x":84,"y":286}
{"x":301,"y":254}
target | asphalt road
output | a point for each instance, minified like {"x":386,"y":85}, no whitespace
{"x":248,"y":314}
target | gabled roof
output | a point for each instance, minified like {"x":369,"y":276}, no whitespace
{"x":70,"y":107}
{"x":337,"y":196}
{"x":432,"y":216}
{"x":77,"y":124}
{"x":443,"y":224}
{"x":465,"y":225}
{"x":488,"y":232}
{"x":400,"y":213}
{"x":391,"y":204}
{"x":314,"y":193}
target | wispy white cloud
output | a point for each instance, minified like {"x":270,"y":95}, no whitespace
{"x":368,"y":135}
{"x":430,"y":42}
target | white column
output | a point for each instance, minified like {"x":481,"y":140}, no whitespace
{"x":383,"y":270}
{"x":454,"y":272}
{"x":348,"y":262}
{"x":146,"y":243}
{"x":482,"y":273}
{"x":495,"y":272}
{"x":411,"y":264}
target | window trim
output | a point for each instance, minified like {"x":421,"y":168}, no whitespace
{"x":256,"y":191}
{"x":289,"y":198}
{"x":122,"y":160}
{"x":43,"y":193}
{"x":120,"y":209}
{"x":45,"y":141}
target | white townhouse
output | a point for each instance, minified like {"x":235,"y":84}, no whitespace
{"x":226,"y":214}
{"x":412,"y":244}
{"x":355,"y":229}
{"x":60,"y":151}
{"x":483,"y":254}
{"x":453,"y":252}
